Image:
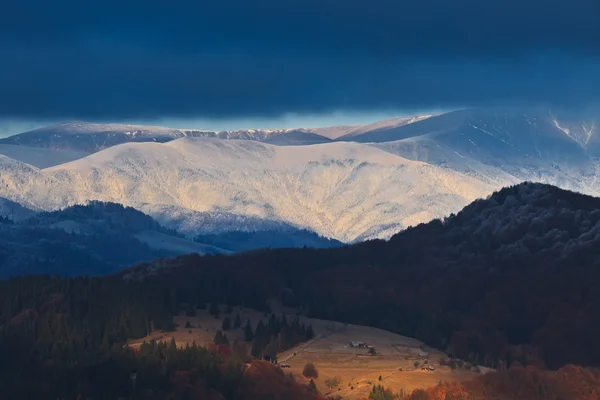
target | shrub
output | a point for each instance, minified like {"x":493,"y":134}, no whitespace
{"x":333,"y":382}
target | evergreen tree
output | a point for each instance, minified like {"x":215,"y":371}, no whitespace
{"x":237,"y":323}
{"x":313,"y":387}
{"x":248,"y":333}
{"x":380,"y":393}
{"x":309,"y":333}
{"x":220,"y":338}
{"x":226,"y":325}
{"x":261,"y":339}
{"x":272,"y":325}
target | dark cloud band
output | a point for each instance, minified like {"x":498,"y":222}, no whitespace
{"x":264,"y":58}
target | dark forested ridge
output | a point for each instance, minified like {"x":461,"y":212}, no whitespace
{"x":512,"y":277}
{"x":82,"y":239}
{"x":66,"y":338}
{"x":286,"y":238}
{"x":510,"y":280}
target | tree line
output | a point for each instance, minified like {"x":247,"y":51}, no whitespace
{"x":510,"y":278}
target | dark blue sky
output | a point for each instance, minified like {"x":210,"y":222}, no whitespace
{"x":262,"y":59}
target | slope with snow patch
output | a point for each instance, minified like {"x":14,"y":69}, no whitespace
{"x":89,"y":137}
{"x":346,"y":191}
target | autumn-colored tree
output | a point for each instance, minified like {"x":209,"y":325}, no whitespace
{"x":310,"y":371}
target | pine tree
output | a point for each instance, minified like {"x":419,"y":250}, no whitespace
{"x":309,"y":332}
{"x":237,"y":323}
{"x":313,"y":387}
{"x":248,"y":333}
{"x":220,"y":338}
{"x":272,"y":325}
{"x":226,"y":325}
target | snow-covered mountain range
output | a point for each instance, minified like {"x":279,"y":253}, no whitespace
{"x":370,"y":182}
{"x":88,"y":137}
{"x":346,"y":191}
{"x":82,"y":137}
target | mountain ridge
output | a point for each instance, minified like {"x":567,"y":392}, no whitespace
{"x":92,"y":137}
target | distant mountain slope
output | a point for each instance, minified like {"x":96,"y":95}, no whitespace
{"x":82,"y":136}
{"x":345,"y":191}
{"x":385,"y":124}
{"x":334,"y":132}
{"x":40,"y":157}
{"x":510,"y":145}
{"x":32,"y":188}
{"x":90,"y":138}
{"x":95,"y":239}
{"x":511,"y":277}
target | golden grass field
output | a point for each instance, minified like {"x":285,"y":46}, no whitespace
{"x":332,"y":355}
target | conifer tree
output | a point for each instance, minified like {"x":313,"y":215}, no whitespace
{"x":226,"y":325}
{"x":313,"y":387}
{"x":309,"y":332}
{"x":248,"y":333}
{"x":220,"y":338}
{"x":237,"y":323}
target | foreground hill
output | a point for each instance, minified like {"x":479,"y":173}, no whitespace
{"x":510,"y":277}
{"x":96,"y":239}
{"x":508,"y":281}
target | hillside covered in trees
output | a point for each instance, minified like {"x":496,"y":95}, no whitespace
{"x":511,"y":280}
{"x":511,"y":277}
{"x":82,"y":239}
{"x":67,"y":338}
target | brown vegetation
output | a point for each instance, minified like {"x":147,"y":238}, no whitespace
{"x":310,"y":371}
{"x":263,"y":380}
{"x":524,"y":383}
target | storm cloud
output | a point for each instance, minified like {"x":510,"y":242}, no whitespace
{"x":238,"y":58}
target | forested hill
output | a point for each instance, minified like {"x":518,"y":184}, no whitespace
{"x":93,"y":239}
{"x":515,"y":276}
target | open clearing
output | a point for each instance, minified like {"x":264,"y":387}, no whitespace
{"x":332,"y":354}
